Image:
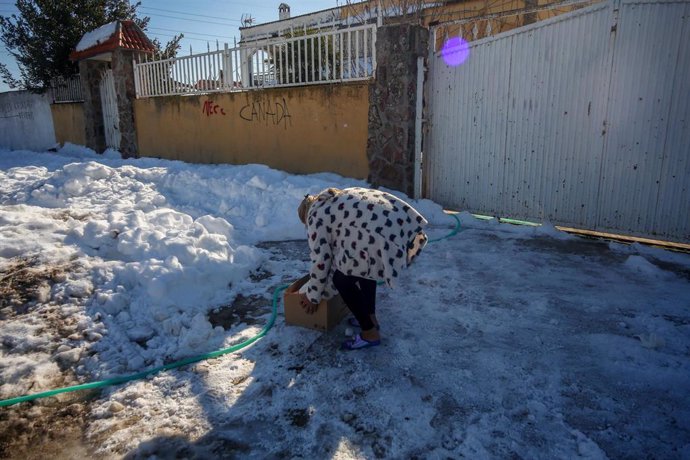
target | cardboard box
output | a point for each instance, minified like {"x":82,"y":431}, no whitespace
{"x":326,"y":317}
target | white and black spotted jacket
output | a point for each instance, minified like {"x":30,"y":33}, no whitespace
{"x":361,"y":232}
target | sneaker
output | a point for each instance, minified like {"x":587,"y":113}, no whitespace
{"x":358,"y":342}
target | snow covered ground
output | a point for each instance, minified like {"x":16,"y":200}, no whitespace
{"x":500,"y":342}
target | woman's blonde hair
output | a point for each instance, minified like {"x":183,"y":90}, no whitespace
{"x":303,"y":208}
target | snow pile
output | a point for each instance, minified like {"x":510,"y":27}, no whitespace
{"x":641,"y":266}
{"x":163,"y":242}
{"x":502,"y":341}
{"x":97,"y":36}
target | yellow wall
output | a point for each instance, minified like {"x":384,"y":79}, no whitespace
{"x":68,"y":122}
{"x":298,"y":130}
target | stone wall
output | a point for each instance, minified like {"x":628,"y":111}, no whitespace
{"x":392,"y":108}
{"x":94,"y":131}
{"x":91,"y":72}
{"x":123,"y":75}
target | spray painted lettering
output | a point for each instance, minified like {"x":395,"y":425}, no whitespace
{"x":21,"y":110}
{"x":212,"y":109}
{"x":274,"y":112}
{"x":20,"y":115}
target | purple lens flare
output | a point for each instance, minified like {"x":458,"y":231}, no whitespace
{"x":455,"y":51}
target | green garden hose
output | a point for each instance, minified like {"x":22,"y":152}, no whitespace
{"x":144,"y":374}
{"x":176,"y":364}
{"x":454,"y":232}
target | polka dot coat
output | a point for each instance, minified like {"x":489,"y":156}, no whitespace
{"x":361,"y":232}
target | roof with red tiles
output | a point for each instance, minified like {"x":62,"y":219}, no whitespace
{"x":127,"y":36}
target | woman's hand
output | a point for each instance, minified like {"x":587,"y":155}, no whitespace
{"x":309,"y":308}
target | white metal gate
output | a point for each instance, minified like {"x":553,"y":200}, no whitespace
{"x":111,"y":120}
{"x":581,"y":120}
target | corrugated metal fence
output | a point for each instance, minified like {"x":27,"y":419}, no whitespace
{"x":581,"y":120}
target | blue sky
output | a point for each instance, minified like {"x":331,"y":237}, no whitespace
{"x":202,"y":21}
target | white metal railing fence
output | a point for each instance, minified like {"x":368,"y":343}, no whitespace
{"x":308,"y":58}
{"x":206,"y":72}
{"x":66,"y":89}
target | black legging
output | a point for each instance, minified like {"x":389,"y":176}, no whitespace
{"x":360,"y":299}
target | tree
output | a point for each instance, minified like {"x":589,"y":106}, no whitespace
{"x":44,"y":33}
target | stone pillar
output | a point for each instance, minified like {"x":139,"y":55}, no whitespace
{"x":392,"y":108}
{"x":94,"y":132}
{"x":123,"y":75}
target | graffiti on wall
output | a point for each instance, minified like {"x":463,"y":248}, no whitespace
{"x":269,"y":111}
{"x":16,"y":110}
{"x":26,"y":121}
{"x":211,"y":108}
